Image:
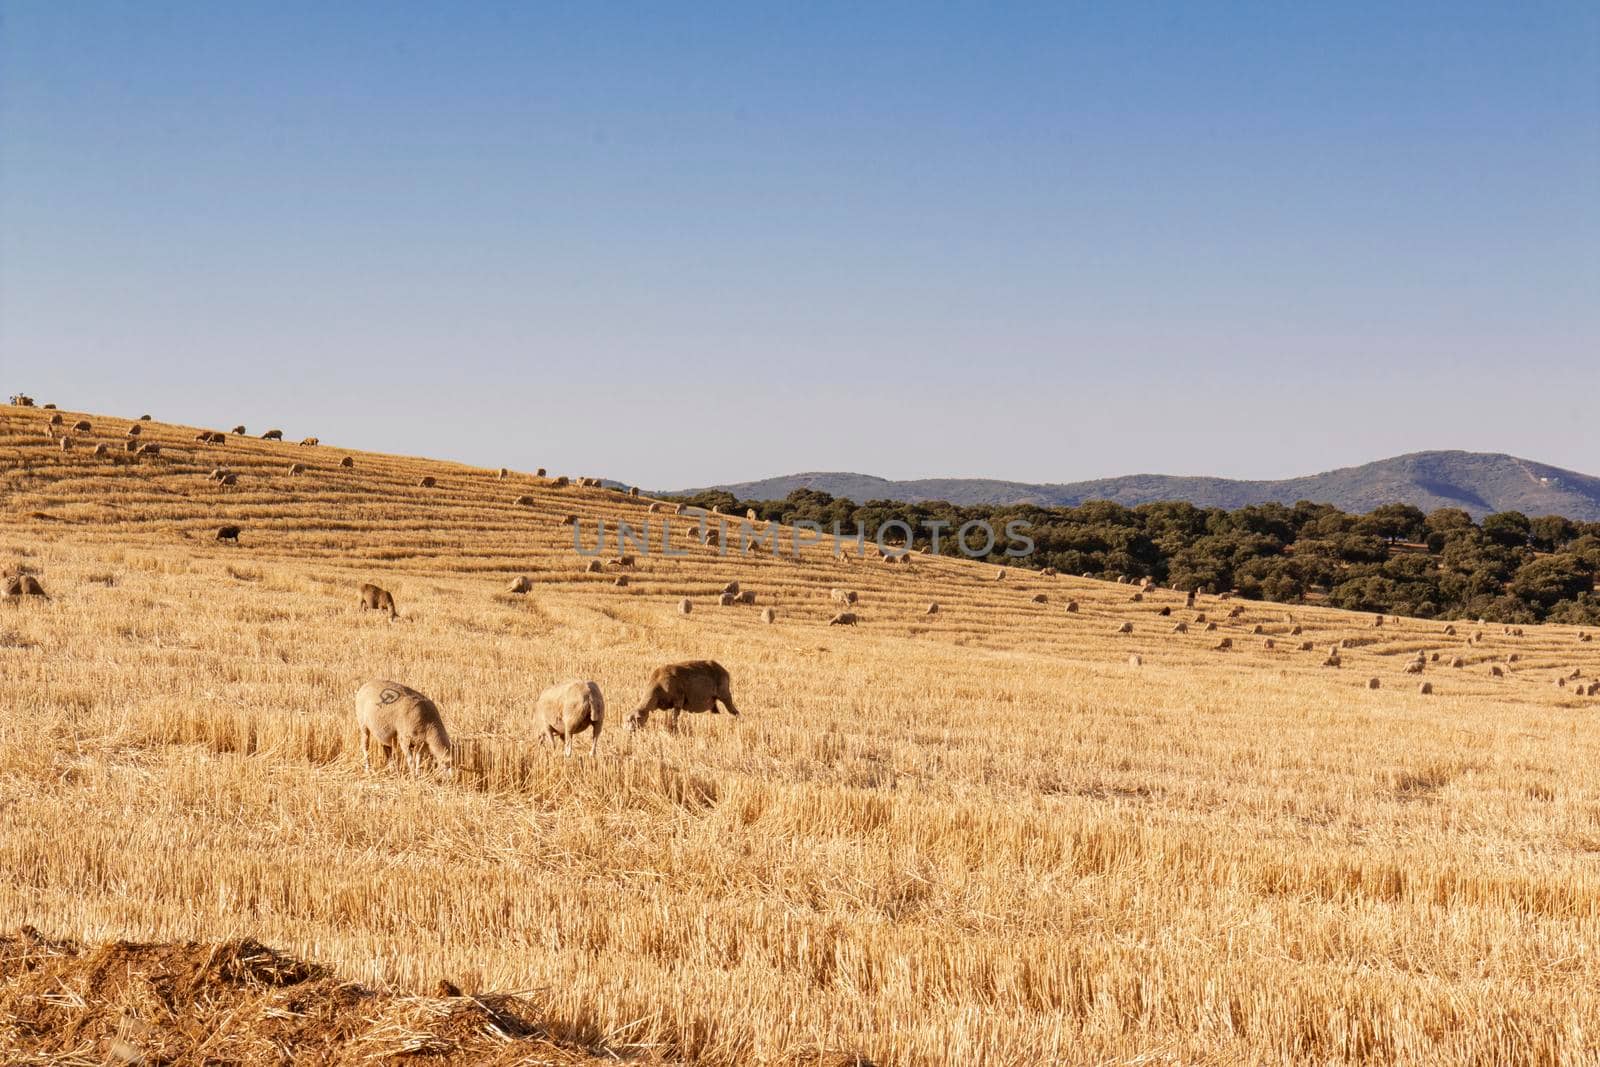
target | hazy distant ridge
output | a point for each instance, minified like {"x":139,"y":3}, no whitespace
{"x":1480,"y":482}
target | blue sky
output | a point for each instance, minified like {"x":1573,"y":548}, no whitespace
{"x":682,"y":244}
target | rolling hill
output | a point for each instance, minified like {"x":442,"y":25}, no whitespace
{"x":1479,"y":482}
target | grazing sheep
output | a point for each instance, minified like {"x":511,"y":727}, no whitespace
{"x":272,"y":435}
{"x":695,"y":686}
{"x":504,"y":474}
{"x":149,"y":448}
{"x":377,"y":598}
{"x":732,"y":589}
{"x":769,"y":616}
{"x":563,"y":481}
{"x":750,"y":514}
{"x":82,"y":426}
{"x":654,"y":508}
{"x":1225,"y":596}
{"x":1269,"y":644}
{"x":1135,"y":660}
{"x":1180,"y":628}
{"x":217,"y":473}
{"x":228,"y":479}
{"x":621,"y":582}
{"x":569,"y":520}
{"x":102,"y":449}
{"x":1072,"y":607}
{"x":1306,"y":646}
{"x":685,"y":606}
{"x":297,"y":468}
{"x":347,"y":462}
{"x":18,"y":585}
{"x":844,"y":618}
{"x":1425,"y":688}
{"x":219,"y":438}
{"x":634,"y":491}
{"x":310,"y":442}
{"x":403,"y":722}
{"x":1200,"y":616}
{"x":1496,"y":671}
{"x":1258,"y":629}
{"x":1137,"y":598}
{"x":203,"y":436}
{"x":1433,"y":658}
{"x":1165,"y":612}
{"x":57,"y":419}
{"x":1225,"y":644}
{"x":239,"y":430}
{"x":1048,"y":572}
{"x":135,"y":430}
{"x":1333,"y":660}
{"x":932,"y":609}
{"x":1297,"y":631}
{"x":594,"y":567}
{"x":1561,"y":683}
{"x":843,"y":596}
{"x":130,"y":446}
{"x":1416,"y":666}
{"x":1211,"y":627}
{"x":1373,"y":683}
{"x":539,"y":473}
{"x":1125,"y":628}
{"x":568,"y":708}
{"x":1512,"y":657}
{"x":520,"y":584}
{"x":623,"y":561}
{"x":523,"y":501}
{"x":1040,"y":598}
{"x":228,"y":533}
{"x":1236,"y":611}
{"x":1584,"y":637}
{"x":66,"y":444}
{"x":1458,"y":662}
{"x":725,"y":600}
{"x":1449,"y":631}
{"x":143,"y":418}
{"x":747,"y":596}
{"x":427,"y":481}
{"x":1377,"y":622}
{"x":1000,"y":575}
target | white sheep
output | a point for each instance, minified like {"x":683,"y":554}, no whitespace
{"x":568,"y":708}
{"x":403,"y":721}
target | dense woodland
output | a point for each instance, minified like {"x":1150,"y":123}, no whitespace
{"x":1508,"y":568}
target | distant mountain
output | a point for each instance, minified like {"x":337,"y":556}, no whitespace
{"x":1480,"y":482}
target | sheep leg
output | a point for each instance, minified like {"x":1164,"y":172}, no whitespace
{"x":366,"y":749}
{"x":727,"y":698}
{"x":594,"y":741}
{"x":566,"y":736}
{"x":674,"y":724}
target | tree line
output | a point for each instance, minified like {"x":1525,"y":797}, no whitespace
{"x":1396,"y":558}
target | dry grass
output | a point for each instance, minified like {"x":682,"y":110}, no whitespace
{"x":979,"y":837}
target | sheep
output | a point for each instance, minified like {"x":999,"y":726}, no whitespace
{"x":594,"y":567}
{"x":1496,"y":671}
{"x":1512,"y":657}
{"x":1585,"y":637}
{"x":769,"y":616}
{"x":732,"y":589}
{"x":149,"y":448}
{"x":633,"y":491}
{"x":238,"y":431}
{"x":623,"y":561}
{"x":102,"y":449}
{"x":142,"y":418}
{"x":309,"y":442}
{"x":427,"y":481}
{"x":843,"y":596}
{"x":1137,"y":598}
{"x":1040,"y":598}
{"x":568,"y":708}
{"x":1433,"y":658}
{"x":1258,"y":629}
{"x":229,"y":479}
{"x":504,"y":474}
{"x":1048,"y":572}
{"x":1373,"y":683}
{"x":1165,"y":612}
{"x":1306,"y":646}
{"x":567,"y":520}
{"x":1269,"y":644}
{"x":1180,"y":628}
{"x":1135,"y":660}
{"x":1561,"y":683}
{"x":750,"y":514}
{"x":844,"y":618}
{"x":748,"y":596}
{"x":523,"y":501}
{"x":82,"y":426}
{"x":66,"y":444}
{"x":219,"y":438}
{"x":297,"y":468}
{"x":131,"y":446}
{"x":563,"y":481}
{"x":57,"y":419}
{"x":18,"y":585}
{"x":520,"y":584}
{"x":539,"y":473}
{"x":693,"y":686}
{"x":621,"y":582}
{"x":272,"y":435}
{"x":1125,"y":628}
{"x":217,"y":473}
{"x":1377,"y":622}
{"x":135,"y":430}
{"x":1458,"y":662}
{"x":1425,"y":688}
{"x":654,"y":508}
{"x":403,"y":722}
{"x":1000,"y":575}
{"x":932,"y":609}
{"x":685,"y":606}
{"x":1072,"y":607}
{"x":1188,"y":599}
{"x":377,"y":598}
{"x":725,"y":600}
{"x":1449,"y":631}
{"x":1211,"y":627}
{"x":1225,"y":644}
{"x":1236,"y":611}
{"x":204,"y":436}
{"x":1200,"y":616}
{"x":1333,"y":660}
{"x":1416,"y":666}
{"x":1297,"y":631}
{"x":228,"y":533}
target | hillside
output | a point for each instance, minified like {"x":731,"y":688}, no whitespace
{"x":1005,"y":832}
{"x":1478,"y":482}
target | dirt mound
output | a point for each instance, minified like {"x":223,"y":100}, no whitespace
{"x":238,"y":1002}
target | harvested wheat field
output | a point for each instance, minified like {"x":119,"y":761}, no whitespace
{"x":1004,"y":833}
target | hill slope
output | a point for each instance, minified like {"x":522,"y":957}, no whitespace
{"x":1479,"y":482}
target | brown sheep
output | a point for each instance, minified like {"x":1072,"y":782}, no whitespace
{"x":539,"y":473}
{"x":309,"y":442}
{"x":1297,"y":631}
{"x":1306,"y":646}
{"x":725,"y":600}
{"x":1373,"y":683}
{"x":1513,"y":657}
{"x":1236,"y":611}
{"x":1496,"y":671}
{"x":732,"y":589}
{"x":1211,"y":627}
{"x":563,"y":481}
{"x":1258,"y":629}
{"x":1125,"y":628}
{"x":19,"y":585}
{"x":403,"y":722}
{"x":569,"y":520}
{"x":1165,"y":612}
{"x":634,"y":491}
{"x":844,"y":618}
{"x":102,"y":449}
{"x":135,"y":430}
{"x":144,"y":418}
{"x":82,"y":426}
{"x":272,"y":435}
{"x":1333,"y":660}
{"x":695,"y":686}
{"x":427,"y":481}
{"x":594,"y":567}
{"x":57,"y":419}
{"x":1584,"y":637}
{"x":377,"y":598}
{"x":1449,"y":631}
{"x":1072,"y":607}
{"x":1048,"y":572}
{"x":621,"y":582}
{"x":569,"y":708}
{"x":66,"y":444}
{"x":1458,"y":662}
{"x":239,"y":431}
{"x":229,"y":479}
{"x":149,"y":448}
{"x":219,"y":438}
{"x":1224,"y":644}
{"x":1377,"y":622}
{"x":747,"y":596}
{"x":297,"y":468}
{"x":932,"y":609}
{"x":685,"y":606}
{"x":217,"y":473}
{"x":520,"y":584}
{"x":504,"y":474}
{"x":1200,"y":617}
{"x":1136,"y":660}
{"x":1416,"y":666}
{"x":1000,"y":575}
{"x":623,"y":561}
{"x":228,"y":533}
{"x":203,"y":436}
{"x":523,"y":501}
{"x":1180,"y":628}
{"x":1137,"y":598}
{"x":769,"y":616}
{"x":843,"y":596}
{"x":1269,"y":644}
{"x":654,"y":507}
{"x":1425,"y":688}
{"x":1040,"y":598}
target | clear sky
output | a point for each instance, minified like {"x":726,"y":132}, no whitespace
{"x":678,"y":244}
